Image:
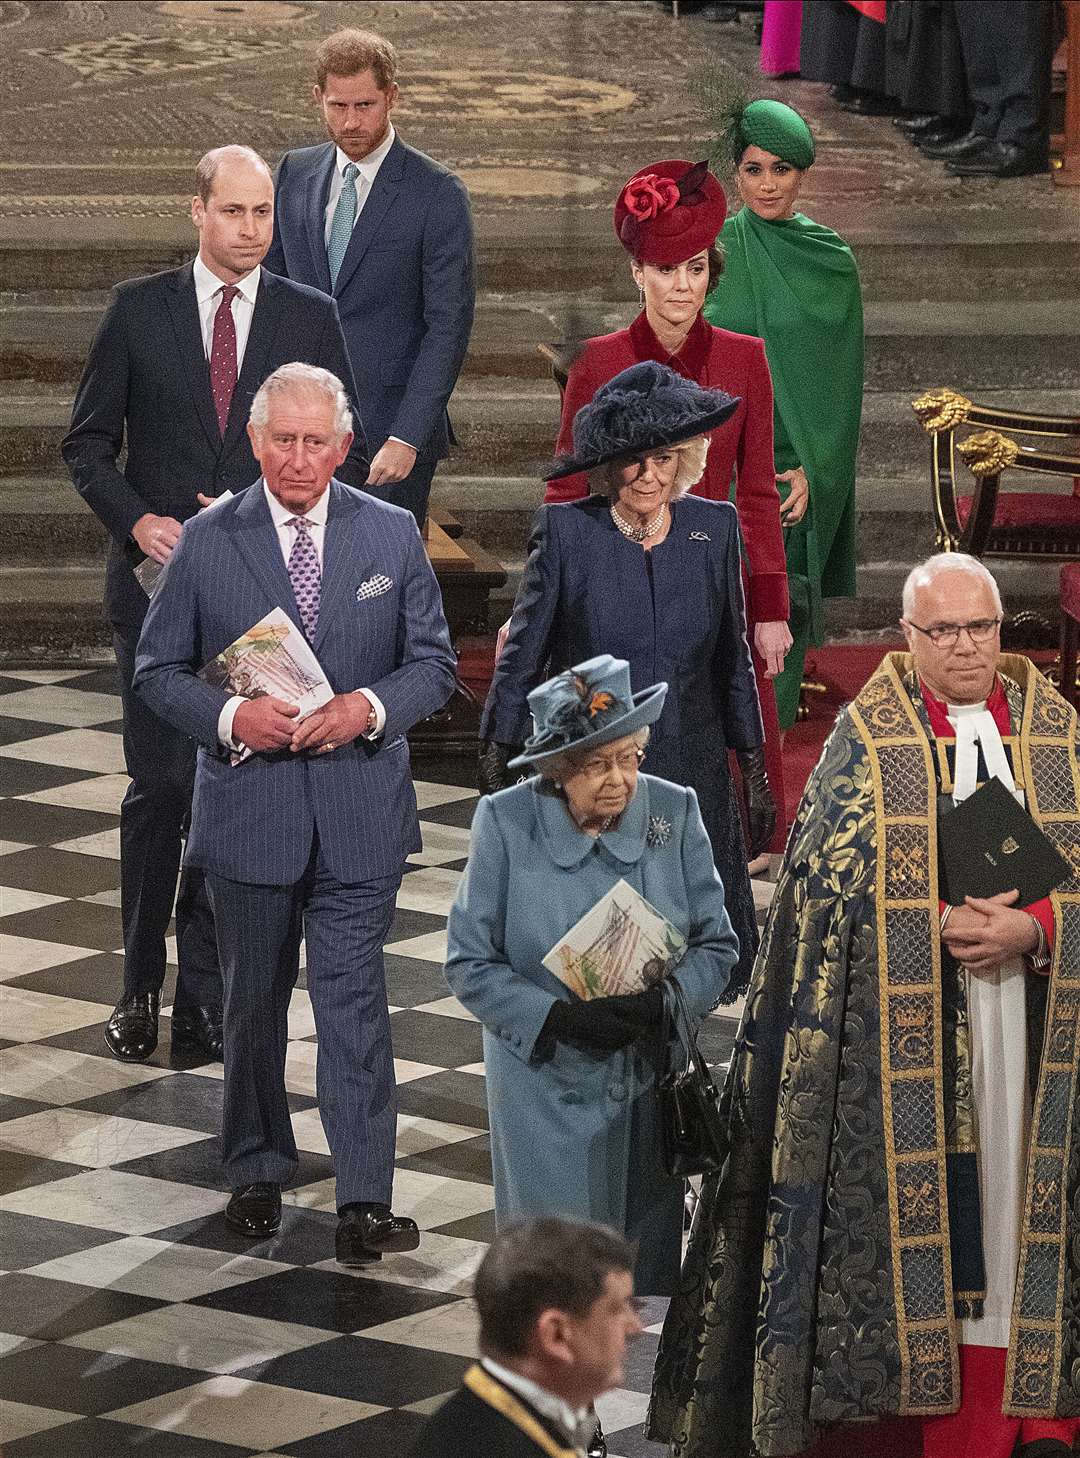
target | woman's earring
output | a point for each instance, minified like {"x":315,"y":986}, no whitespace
{"x":641,"y":297}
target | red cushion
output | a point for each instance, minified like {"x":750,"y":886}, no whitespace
{"x":1070,"y":590}
{"x":1028,"y":509}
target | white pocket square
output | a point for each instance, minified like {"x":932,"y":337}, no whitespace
{"x":374,"y":587}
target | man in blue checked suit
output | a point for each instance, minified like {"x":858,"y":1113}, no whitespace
{"x":388,"y":232}
{"x":307,"y":837}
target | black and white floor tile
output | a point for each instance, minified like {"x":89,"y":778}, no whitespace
{"x":131,"y":1318}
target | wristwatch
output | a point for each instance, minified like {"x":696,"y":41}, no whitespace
{"x":1040,"y":958}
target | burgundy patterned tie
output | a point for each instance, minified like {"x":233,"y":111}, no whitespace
{"x":223,"y":356}
{"x":305,"y":575}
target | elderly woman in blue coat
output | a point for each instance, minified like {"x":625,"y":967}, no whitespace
{"x":571,"y":1082}
{"x":646,"y":572}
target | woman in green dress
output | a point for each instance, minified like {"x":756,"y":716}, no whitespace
{"x":794,"y":283}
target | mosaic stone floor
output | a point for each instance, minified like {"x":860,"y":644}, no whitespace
{"x":131,"y":1318}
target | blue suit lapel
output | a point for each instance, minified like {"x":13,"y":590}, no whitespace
{"x":184,"y":313}
{"x":265,"y":318}
{"x":317,"y":196}
{"x":386,"y":188}
{"x":257,"y":542}
{"x":341,"y":558}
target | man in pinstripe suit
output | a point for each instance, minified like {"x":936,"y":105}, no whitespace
{"x":308,"y":837}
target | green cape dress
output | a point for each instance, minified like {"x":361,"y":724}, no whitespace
{"x":795,"y":284}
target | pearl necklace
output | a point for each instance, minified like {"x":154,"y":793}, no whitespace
{"x":639,"y":533}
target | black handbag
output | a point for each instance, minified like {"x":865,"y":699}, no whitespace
{"x":693,"y":1139}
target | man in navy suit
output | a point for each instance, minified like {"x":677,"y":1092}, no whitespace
{"x":171,"y":375}
{"x":309,"y":836}
{"x":388,"y":232}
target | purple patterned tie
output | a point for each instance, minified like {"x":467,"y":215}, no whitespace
{"x":304,"y":574}
{"x":223,"y":356}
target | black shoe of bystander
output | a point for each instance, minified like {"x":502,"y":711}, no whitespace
{"x":131,"y":1034}
{"x":1001,"y":159}
{"x":969,"y":145}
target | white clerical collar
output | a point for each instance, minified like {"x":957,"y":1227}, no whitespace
{"x":207,"y":283}
{"x":570,"y":1421}
{"x":368,"y":166}
{"x":975,"y":727}
{"x":315,"y":514}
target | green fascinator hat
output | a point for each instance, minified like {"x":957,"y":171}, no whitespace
{"x":774,"y":128}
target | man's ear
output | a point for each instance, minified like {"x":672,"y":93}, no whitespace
{"x":551,"y":1338}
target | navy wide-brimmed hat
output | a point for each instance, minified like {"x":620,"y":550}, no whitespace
{"x":644,"y":408}
{"x":587,"y":706}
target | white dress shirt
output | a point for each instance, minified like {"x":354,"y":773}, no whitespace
{"x":286,"y":534}
{"x":576,"y":1423}
{"x":208,"y":295}
{"x":367,"y":171}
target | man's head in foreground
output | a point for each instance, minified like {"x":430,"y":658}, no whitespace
{"x":952,"y":623}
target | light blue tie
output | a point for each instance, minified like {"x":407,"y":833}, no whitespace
{"x":341,"y":225}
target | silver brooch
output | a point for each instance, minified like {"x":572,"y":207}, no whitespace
{"x":659,"y":831}
{"x":700,"y":537}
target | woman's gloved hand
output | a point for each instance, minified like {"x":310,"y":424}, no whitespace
{"x":760,"y":806}
{"x":643,"y":1008}
{"x":492,"y":773}
{"x":594,"y":1024}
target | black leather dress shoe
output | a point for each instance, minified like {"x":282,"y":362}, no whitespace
{"x":597,"y":1444}
{"x":938,"y":135}
{"x":196,"y":1033}
{"x":922,"y":121}
{"x":870,"y":103}
{"x":131,"y":1033}
{"x":255,"y":1210}
{"x":1001,"y":159}
{"x":366,"y":1233}
{"x":969,"y":145}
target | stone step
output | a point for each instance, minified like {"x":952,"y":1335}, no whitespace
{"x":580,"y":254}
{"x":45,"y":338}
{"x":508,"y":428}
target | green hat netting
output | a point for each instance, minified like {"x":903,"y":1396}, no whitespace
{"x":774,"y":128}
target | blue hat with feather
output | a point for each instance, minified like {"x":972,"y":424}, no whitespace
{"x":586,"y":706}
{"x":648,"y":407}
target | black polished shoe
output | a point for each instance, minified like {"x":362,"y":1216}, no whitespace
{"x":937,"y":136}
{"x":969,"y":145}
{"x":132,"y":1031}
{"x":922,"y":121}
{"x":597,"y":1443}
{"x":255,"y":1210}
{"x":196,"y":1033}
{"x":870,"y":103}
{"x":366,"y":1233}
{"x":1001,"y":159}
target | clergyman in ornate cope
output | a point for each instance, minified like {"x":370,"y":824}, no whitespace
{"x":894,"y":1240}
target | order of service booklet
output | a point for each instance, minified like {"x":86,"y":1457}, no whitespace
{"x":990,"y":844}
{"x":622,"y":944}
{"x":272,"y":657}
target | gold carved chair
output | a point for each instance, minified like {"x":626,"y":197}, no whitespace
{"x":990,"y":522}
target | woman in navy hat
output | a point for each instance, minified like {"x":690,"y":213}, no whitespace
{"x":570,"y":1082}
{"x":642,"y":570}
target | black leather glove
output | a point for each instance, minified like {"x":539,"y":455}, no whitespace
{"x":492,"y":773}
{"x":760,"y":807}
{"x":593,"y":1024}
{"x":643,"y":1008}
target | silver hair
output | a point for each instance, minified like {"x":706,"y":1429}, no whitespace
{"x":571,"y":759}
{"x":689,"y":471}
{"x":207,"y":167}
{"x":302,"y":378}
{"x":925,"y":573}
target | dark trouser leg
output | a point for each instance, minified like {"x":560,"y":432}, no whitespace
{"x":258,"y":931}
{"x":984,"y":83}
{"x":1020,"y":37}
{"x":412,"y":493}
{"x":161,"y":763}
{"x":345,"y":927}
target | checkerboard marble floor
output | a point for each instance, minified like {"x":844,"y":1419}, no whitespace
{"x":131,"y":1318}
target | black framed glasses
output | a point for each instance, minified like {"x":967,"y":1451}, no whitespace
{"x":947,"y":635}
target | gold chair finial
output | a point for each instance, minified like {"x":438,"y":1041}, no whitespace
{"x":940,"y":410}
{"x":988,"y":453}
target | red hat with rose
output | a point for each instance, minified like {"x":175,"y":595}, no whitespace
{"x":669,"y":211}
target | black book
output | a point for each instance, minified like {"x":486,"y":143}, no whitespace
{"x":989,"y":844}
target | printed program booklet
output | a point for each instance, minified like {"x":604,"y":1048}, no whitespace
{"x":272,"y":657}
{"x":148,"y":573}
{"x":622,"y":944}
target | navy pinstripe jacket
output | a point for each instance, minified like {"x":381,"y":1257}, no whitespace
{"x":254,"y":822}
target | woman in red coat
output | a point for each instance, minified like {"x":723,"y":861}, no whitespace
{"x":668,"y":217}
